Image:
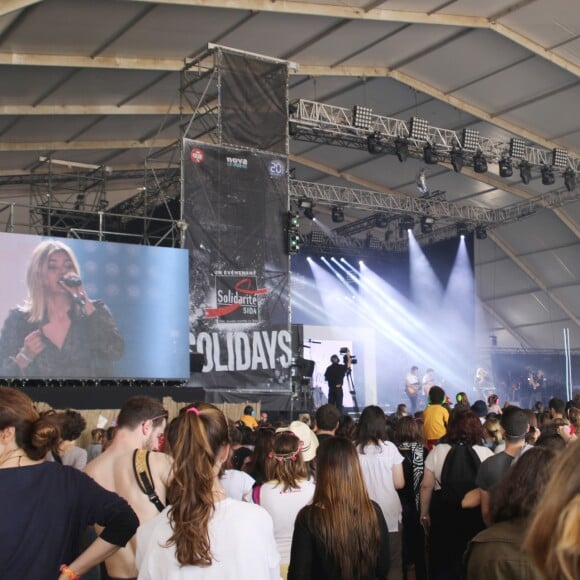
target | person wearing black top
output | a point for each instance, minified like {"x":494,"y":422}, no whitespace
{"x":46,"y":507}
{"x":342,"y":510}
{"x":334,"y":376}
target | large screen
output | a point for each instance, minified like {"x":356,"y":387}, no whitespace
{"x":92,"y":310}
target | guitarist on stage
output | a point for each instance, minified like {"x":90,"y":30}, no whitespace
{"x":537,"y":383}
{"x":412,"y":387}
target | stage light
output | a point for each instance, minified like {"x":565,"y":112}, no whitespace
{"x":479,"y":163}
{"x":517,"y":148}
{"x":548,"y":177}
{"x":506,"y":168}
{"x":293,"y":232}
{"x":481,"y":232}
{"x":406,"y":223}
{"x":309,"y":213}
{"x":375,"y":143}
{"x":559,"y":158}
{"x":457,"y":160}
{"x":419,"y":128}
{"x":525,"y":172}
{"x":337,"y":214}
{"x":361,"y":117}
{"x":462,"y":229}
{"x":402,"y":149}
{"x":470,"y":139}
{"x":570,"y":179}
{"x":427,"y":224}
{"x":304,"y":202}
{"x":318,"y":238}
{"x":430,"y":154}
{"x":381,"y":220}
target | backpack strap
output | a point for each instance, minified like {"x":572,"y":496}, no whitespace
{"x":144,"y":479}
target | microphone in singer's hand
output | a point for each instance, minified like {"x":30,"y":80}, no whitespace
{"x":71,"y":281}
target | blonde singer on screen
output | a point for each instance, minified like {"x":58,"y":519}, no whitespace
{"x":58,"y":331}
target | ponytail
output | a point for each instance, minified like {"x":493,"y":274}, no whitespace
{"x":201,"y":433}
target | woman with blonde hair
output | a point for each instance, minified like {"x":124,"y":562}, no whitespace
{"x":202,"y":533}
{"x":59,"y":331}
{"x":342,"y":535}
{"x":553,"y":539}
{"x":45,"y":506}
{"x":287,"y":489}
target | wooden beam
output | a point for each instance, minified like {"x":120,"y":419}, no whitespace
{"x":536,"y":48}
{"x":504,"y":323}
{"x":8,"y":6}
{"x":54,"y":110}
{"x":77,"y":61}
{"x":532,"y":274}
{"x":337,"y":10}
{"x":43,"y":146}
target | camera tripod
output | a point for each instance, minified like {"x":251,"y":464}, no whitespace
{"x":352,"y":389}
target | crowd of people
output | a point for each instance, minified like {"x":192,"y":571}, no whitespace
{"x":463,"y":491}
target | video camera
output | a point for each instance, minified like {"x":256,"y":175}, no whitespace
{"x":353,"y":359}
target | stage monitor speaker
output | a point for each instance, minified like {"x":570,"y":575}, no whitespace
{"x":197,"y":361}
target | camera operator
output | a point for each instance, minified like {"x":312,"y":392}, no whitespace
{"x":334,"y":376}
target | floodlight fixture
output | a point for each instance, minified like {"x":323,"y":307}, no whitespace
{"x":559,"y":158}
{"x":570,"y":179}
{"x":337,"y":214}
{"x":375,"y":143}
{"x":427,"y":224}
{"x":293,"y":219}
{"x":470,"y":139}
{"x":362,"y":117}
{"x":479,"y":163}
{"x":406,"y":223}
{"x":548,"y":177}
{"x":430,"y":154}
{"x":517,"y":148}
{"x":402,"y":149}
{"x":418,"y":128}
{"x":293,"y":242}
{"x":381,"y":220}
{"x":304,"y":203}
{"x":506,"y":167}
{"x":309,"y":213}
{"x":318,"y":238}
{"x":462,"y":229}
{"x":372,"y":243}
{"x":481,"y":232}
{"x":525,"y":172}
{"x":457,"y":159}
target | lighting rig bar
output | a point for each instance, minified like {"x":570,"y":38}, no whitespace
{"x":401,"y":204}
{"x":331,"y":125}
{"x":376,"y":220}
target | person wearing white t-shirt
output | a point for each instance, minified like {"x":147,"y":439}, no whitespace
{"x":202,"y":534}
{"x":382,"y":468}
{"x":287,"y":490}
{"x":237,"y":484}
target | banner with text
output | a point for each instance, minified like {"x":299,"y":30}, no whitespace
{"x":235,"y":207}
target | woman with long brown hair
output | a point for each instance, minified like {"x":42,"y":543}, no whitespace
{"x":202,"y":533}
{"x":342,"y":535}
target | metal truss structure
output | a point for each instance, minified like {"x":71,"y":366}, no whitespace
{"x":447,"y":214}
{"x":331,"y":125}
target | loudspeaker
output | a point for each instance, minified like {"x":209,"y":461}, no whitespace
{"x":197,"y":361}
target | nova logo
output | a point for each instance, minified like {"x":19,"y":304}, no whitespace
{"x":237,"y":162}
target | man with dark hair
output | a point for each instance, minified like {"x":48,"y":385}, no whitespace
{"x":248,"y":418}
{"x":140,"y":424}
{"x":514,"y":425}
{"x":557,"y":408}
{"x":334,"y":376}
{"x":327,"y":418}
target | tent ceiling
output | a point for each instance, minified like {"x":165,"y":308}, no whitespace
{"x":97,"y":82}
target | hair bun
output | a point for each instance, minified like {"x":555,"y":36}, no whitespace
{"x":45,"y":436}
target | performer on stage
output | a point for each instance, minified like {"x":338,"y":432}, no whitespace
{"x":59,"y":331}
{"x":536,"y":387}
{"x":334,"y":376}
{"x":412,"y":387}
{"x":428,"y":381}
